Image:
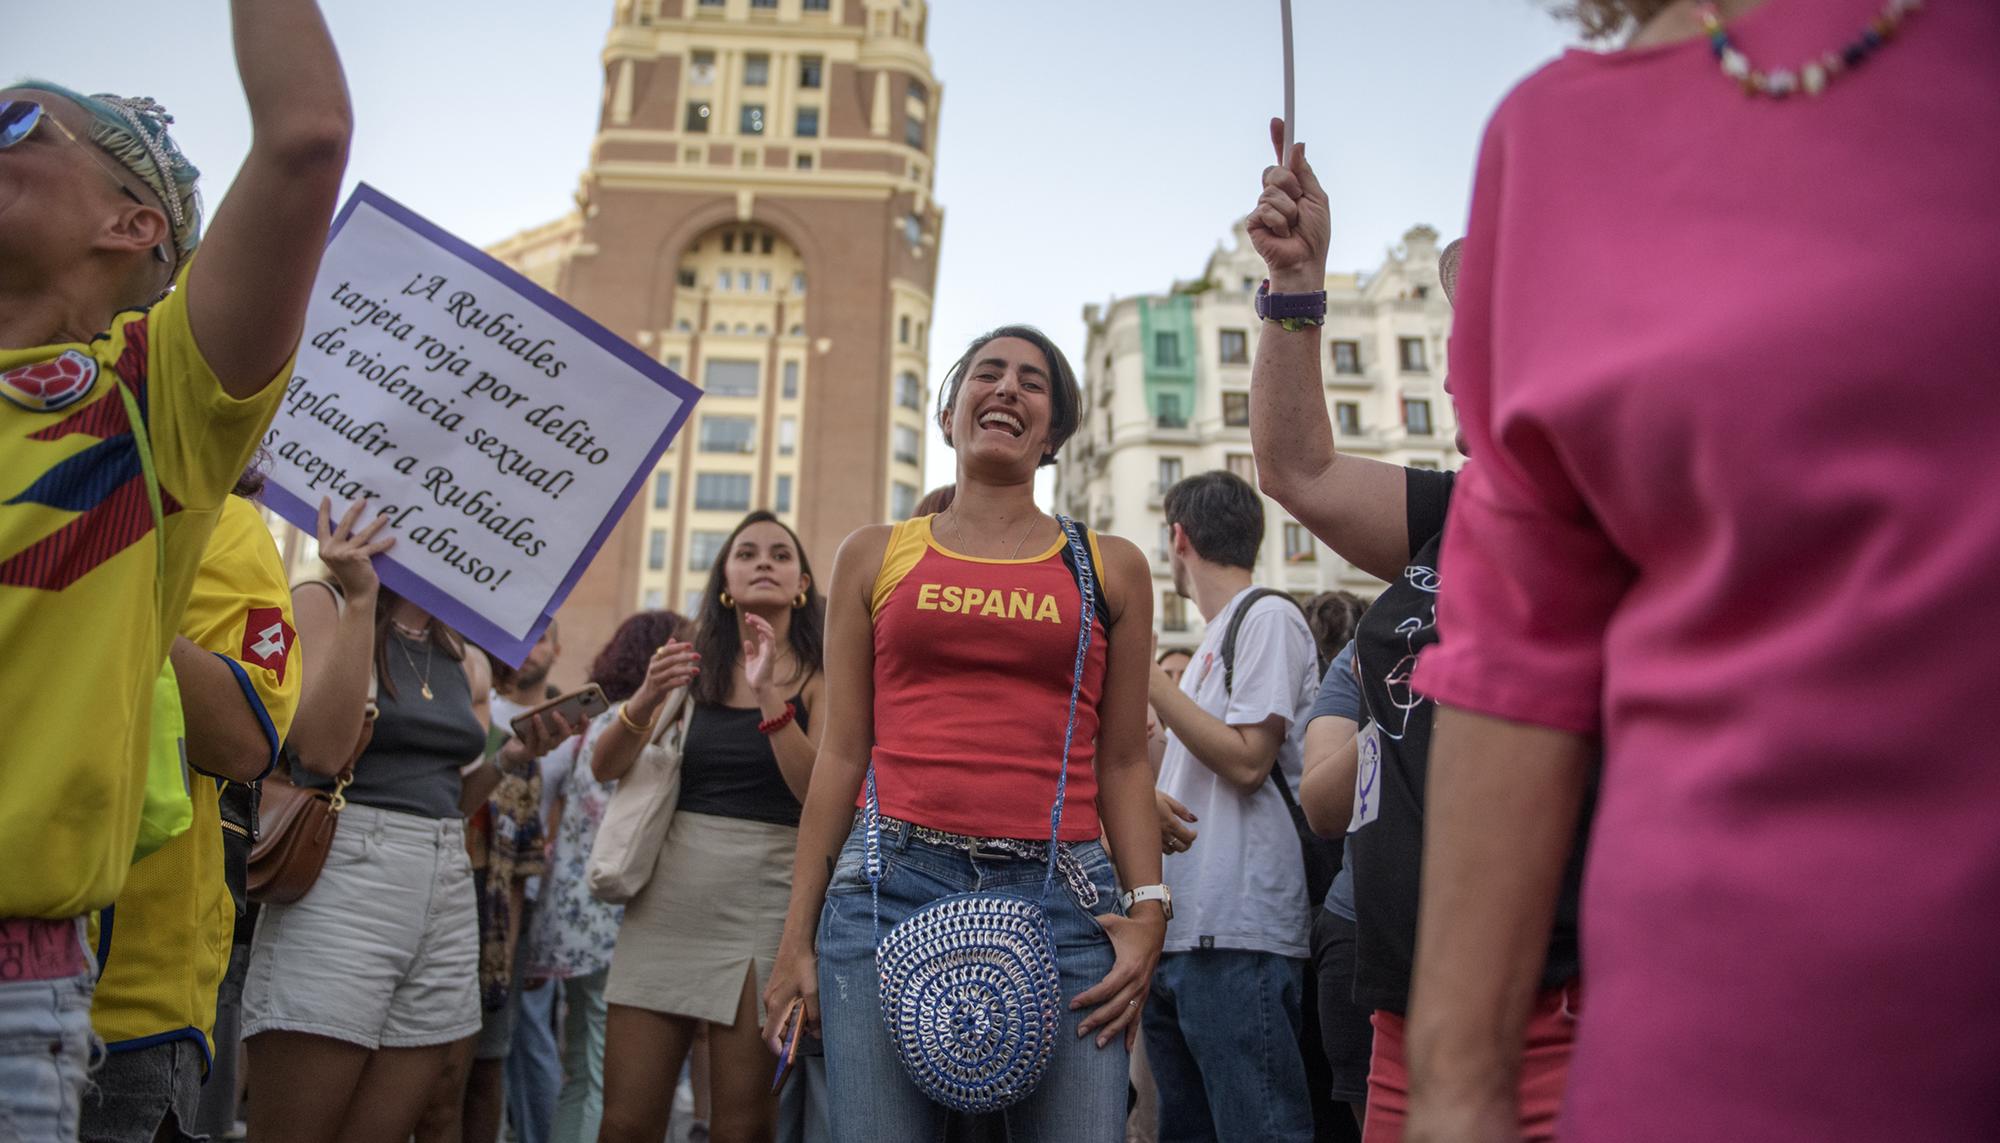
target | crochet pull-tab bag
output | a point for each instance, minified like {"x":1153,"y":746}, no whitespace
{"x":971,"y":993}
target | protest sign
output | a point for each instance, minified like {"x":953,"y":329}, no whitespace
{"x":500,"y":429}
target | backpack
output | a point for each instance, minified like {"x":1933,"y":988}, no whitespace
{"x":1321,"y":856}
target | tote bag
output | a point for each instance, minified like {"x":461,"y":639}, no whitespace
{"x":635,"y":822}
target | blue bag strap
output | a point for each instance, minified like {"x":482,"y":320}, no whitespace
{"x":871,"y":816}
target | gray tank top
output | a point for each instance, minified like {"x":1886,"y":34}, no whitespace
{"x":411,"y":765}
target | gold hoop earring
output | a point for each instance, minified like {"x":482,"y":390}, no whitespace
{"x":728,"y":602}
{"x":798,"y":604}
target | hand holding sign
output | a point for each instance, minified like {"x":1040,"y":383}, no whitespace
{"x":1292,"y":225}
{"x":349,"y":552}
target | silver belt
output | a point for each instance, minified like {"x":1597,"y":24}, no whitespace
{"x":1067,"y":863}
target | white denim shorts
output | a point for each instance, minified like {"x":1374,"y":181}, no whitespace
{"x":384,"y":951}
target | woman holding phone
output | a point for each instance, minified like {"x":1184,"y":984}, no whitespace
{"x":703,"y":933}
{"x":961,"y":713}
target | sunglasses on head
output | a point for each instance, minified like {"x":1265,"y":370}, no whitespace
{"x":18,"y":120}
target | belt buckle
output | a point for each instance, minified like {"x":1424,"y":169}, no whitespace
{"x":993,"y":847}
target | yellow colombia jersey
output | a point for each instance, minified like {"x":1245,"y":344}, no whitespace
{"x":83,"y":622}
{"x":163,"y":947}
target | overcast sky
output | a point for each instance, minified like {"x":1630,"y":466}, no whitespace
{"x":1088,"y":148}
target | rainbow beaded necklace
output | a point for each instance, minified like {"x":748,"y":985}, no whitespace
{"x":1812,"y":77}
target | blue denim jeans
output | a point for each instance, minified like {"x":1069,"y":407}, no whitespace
{"x":534,"y":1063}
{"x":1222,"y":1034}
{"x":45,"y":1049}
{"x":1081,"y":1098}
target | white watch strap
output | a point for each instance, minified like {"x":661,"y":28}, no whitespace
{"x":1145,"y":893}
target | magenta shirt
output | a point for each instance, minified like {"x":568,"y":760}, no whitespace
{"x":1727,"y":370}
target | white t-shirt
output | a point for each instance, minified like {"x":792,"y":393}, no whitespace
{"x":1243,"y":885}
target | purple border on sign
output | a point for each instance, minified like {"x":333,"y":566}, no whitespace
{"x":481,"y":631}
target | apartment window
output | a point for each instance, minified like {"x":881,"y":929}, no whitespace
{"x":1243,"y":465}
{"x":752,"y":122}
{"x":697,"y":117}
{"x":654,"y":599}
{"x":1167,"y":349}
{"x":909,"y":391}
{"x":1235,"y":347}
{"x":791,"y":383}
{"x":729,"y":242}
{"x":1347,"y":418}
{"x":743,"y":282}
{"x":1170,"y":415}
{"x":1347,"y":357}
{"x":725,"y":378}
{"x":902,"y":500}
{"x":703,"y":547}
{"x":756,"y":69}
{"x":722,"y":279}
{"x":903,"y":329}
{"x":799,"y":283}
{"x":764,"y":245}
{"x":1173,"y":611}
{"x":763,"y":287}
{"x":722,"y":491}
{"x":728,"y":434}
{"x":913,"y":131}
{"x":1299,"y":545}
{"x":1170,"y":473}
{"x":763,"y":3}
{"x":656,"y":549}
{"x":788,"y":435}
{"x":812,"y":71}
{"x":802,"y":161}
{"x":919,"y":93}
{"x":686,"y":277}
{"x":814,"y":5}
{"x":1417,"y":416}
{"x":784,"y":497}
{"x":691,"y":601}
{"x":1236,"y":409}
{"x":806,"y":126}
{"x":906,"y":445}
{"x":711,"y":3}
{"x":1411,"y":352}
{"x":663,"y":489}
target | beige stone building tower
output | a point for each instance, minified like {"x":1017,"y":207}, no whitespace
{"x":757,"y":214}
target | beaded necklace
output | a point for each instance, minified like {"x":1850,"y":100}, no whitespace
{"x":1813,"y":77}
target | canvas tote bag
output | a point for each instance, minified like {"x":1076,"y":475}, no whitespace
{"x":635,"y":823}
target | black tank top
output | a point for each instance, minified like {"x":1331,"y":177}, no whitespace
{"x":729,"y":770}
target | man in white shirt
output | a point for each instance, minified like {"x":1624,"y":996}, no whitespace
{"x":1222,"y":1027}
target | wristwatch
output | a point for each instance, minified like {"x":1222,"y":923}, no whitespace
{"x":1158,"y":893}
{"x":1291,"y":311}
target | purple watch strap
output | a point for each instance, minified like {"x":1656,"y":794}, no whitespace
{"x":1277,"y":307}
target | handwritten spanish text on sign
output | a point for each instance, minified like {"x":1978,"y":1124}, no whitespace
{"x":499,"y":429}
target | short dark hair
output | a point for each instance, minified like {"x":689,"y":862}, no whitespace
{"x":621,"y":666}
{"x":1332,"y":616}
{"x":1065,"y":396}
{"x":1222,"y":516}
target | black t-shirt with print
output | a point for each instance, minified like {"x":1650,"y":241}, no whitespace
{"x":1387,"y":850}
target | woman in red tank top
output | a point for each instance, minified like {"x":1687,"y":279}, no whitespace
{"x":951,"y":647}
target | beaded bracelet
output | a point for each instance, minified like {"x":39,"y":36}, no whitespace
{"x":780,"y":722}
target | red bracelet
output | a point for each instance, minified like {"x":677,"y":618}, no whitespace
{"x":774,"y":725}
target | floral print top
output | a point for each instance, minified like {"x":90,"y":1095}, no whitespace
{"x":573,"y":931}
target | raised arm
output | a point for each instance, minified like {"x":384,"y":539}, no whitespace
{"x":837,"y":772}
{"x":1353,"y":504}
{"x":673,"y":665}
{"x":248,"y":288}
{"x":336,"y":642}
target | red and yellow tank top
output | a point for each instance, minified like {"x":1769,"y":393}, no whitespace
{"x":973,"y":662}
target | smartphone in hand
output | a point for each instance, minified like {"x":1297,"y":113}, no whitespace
{"x":576,"y":708}
{"x":788,"y":1041}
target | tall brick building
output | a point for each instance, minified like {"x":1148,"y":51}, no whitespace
{"x":757,"y":214}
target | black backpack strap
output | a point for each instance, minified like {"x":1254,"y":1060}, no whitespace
{"x":1236,"y":625}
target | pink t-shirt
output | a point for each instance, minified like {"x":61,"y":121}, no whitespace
{"x":1728,"y":371}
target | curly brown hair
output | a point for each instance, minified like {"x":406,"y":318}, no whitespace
{"x":1610,"y":19}
{"x":621,"y":666}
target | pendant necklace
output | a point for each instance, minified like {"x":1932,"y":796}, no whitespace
{"x":426,"y":677}
{"x":960,"y":539}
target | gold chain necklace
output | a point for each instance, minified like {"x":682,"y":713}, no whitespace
{"x":959,"y":540}
{"x":426,"y":679}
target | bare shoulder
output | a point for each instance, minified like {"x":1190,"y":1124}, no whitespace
{"x":1127,"y":575}
{"x":861,"y":555}
{"x":478,"y":672}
